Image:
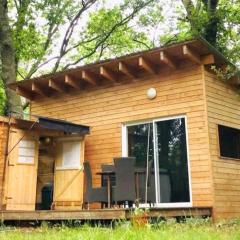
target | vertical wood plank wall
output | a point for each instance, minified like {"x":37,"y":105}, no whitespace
{"x":223,"y":105}
{"x":21,"y":178}
{"x":105,"y":108}
{"x":3,"y":141}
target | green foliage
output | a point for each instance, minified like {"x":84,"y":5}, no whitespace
{"x":50,"y":35}
{"x":122,"y":40}
{"x":2,"y":99}
{"x":193,"y":21}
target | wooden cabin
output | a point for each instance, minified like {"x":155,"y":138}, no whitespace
{"x":168,"y":99}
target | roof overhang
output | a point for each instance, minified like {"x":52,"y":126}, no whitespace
{"x":63,"y":126}
{"x":48,"y":126}
{"x":125,"y":68}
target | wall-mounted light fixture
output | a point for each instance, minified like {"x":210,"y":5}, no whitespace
{"x":151,"y":93}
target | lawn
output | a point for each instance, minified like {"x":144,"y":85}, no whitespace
{"x":170,"y":230}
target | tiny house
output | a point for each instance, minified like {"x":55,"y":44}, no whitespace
{"x":166,"y":105}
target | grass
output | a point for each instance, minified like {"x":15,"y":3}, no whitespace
{"x":170,"y":230}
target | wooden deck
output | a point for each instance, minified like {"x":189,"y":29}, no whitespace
{"x":100,"y":214}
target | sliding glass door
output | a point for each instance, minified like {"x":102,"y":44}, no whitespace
{"x":171,"y":161}
{"x":160,"y":147}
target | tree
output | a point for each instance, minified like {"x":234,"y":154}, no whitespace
{"x":44,"y":34}
{"x":217,"y":21}
{"x":8,"y":64}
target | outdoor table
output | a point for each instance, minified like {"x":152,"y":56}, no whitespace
{"x":137,"y":172}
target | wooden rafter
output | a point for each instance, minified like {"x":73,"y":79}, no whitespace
{"x":25,"y":93}
{"x":108,"y":74}
{"x":71,"y":82}
{"x":55,"y":86}
{"x":39,"y":90}
{"x":208,"y":59}
{"x":146,"y":65}
{"x":124,"y":68}
{"x":89,"y":77}
{"x":191,"y":55}
{"x":167,"y":60}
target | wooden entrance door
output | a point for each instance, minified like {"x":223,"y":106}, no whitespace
{"x":68,"y":177}
{"x":21,"y":179}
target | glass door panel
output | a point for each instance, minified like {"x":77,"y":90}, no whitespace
{"x":140,"y":143}
{"x":140,"y":146}
{"x":171,"y":161}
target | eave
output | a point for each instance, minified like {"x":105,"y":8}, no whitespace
{"x":125,"y":68}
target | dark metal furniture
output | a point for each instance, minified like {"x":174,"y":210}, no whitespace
{"x":93,"y":194}
{"x":104,"y":178}
{"x":124,"y":191}
{"x":108,"y":175}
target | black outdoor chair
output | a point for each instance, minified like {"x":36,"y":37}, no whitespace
{"x":151,"y":198}
{"x":124,"y":191}
{"x":93,"y":194}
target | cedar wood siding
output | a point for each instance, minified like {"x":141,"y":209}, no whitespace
{"x":223,"y":105}
{"x":105,"y":108}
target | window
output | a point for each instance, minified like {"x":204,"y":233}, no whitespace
{"x":229,"y":141}
{"x":26,"y":152}
{"x":71,"y":155}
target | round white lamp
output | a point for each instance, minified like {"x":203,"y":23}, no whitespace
{"x":151,"y":93}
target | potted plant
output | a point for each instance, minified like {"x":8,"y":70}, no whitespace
{"x":140,"y":217}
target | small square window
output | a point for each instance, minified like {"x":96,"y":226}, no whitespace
{"x":26,"y":152}
{"x":71,"y":155}
{"x":229,"y":141}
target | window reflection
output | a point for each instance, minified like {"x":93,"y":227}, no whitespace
{"x":172,"y":159}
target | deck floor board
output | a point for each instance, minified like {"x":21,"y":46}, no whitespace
{"x":100,"y":214}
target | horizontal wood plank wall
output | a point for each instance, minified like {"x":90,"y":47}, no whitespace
{"x":3,"y":141}
{"x":105,"y":108}
{"x":223,"y":104}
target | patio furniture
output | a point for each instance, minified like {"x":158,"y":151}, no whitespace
{"x":108,"y":175}
{"x":104,"y":180}
{"x":124,"y":191}
{"x":93,"y":194}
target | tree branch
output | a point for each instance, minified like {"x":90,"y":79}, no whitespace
{"x":106,"y":35}
{"x":69,"y":31}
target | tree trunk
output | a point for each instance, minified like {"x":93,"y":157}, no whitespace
{"x":212,"y":25}
{"x":7,"y":54}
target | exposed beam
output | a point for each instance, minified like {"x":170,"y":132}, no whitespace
{"x":39,"y":90}
{"x":108,"y":74}
{"x":124,"y":68}
{"x":167,"y":60}
{"x":56,"y":86}
{"x":71,"y":82}
{"x":24,"y":93}
{"x":208,"y":59}
{"x":191,"y":55}
{"x":89,"y":77}
{"x":146,"y":65}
